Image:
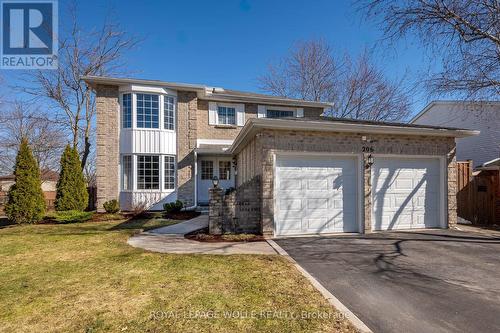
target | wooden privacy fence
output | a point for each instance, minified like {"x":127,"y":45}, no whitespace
{"x":478,"y":194}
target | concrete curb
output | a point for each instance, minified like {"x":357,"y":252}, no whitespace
{"x":326,"y":294}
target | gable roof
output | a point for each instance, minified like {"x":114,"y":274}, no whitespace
{"x":207,"y":92}
{"x":331,"y":124}
{"x":449,"y":102}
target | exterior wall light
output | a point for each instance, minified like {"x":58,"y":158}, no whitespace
{"x":215,"y":182}
{"x":369,"y":161}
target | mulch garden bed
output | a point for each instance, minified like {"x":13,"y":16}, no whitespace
{"x":184,"y":215}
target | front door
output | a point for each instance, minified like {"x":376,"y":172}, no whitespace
{"x":208,"y":167}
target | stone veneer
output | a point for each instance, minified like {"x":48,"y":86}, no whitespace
{"x":257,"y":159}
{"x":107,"y":144}
{"x":237,"y":211}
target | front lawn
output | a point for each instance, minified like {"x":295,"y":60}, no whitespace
{"x":83,"y":277}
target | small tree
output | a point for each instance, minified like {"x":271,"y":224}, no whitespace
{"x":71,"y":187}
{"x":26,"y":203}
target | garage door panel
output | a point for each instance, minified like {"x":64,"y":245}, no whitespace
{"x":326,"y":182}
{"x":406,"y":193}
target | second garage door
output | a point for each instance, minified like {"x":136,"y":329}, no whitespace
{"x":315,"y":194}
{"x":405,"y":193}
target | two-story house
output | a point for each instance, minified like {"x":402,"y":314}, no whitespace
{"x":300,"y":173}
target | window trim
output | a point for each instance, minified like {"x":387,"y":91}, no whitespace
{"x":201,"y":169}
{"x":262,"y":110}
{"x":122,"y":109}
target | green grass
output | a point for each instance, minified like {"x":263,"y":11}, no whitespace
{"x":83,"y":277}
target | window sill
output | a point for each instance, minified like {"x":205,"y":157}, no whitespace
{"x":226,"y":126}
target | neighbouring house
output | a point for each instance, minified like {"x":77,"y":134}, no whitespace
{"x":483,"y":116}
{"x":294,"y":172}
{"x":49,"y":182}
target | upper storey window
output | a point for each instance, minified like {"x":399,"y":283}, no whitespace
{"x":127,"y":110}
{"x":168,"y":112}
{"x":279,"y":113}
{"x":148,"y":110}
{"x":226,"y":115}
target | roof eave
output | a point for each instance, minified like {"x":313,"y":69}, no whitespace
{"x":268,"y":100}
{"x":255,"y":124}
{"x":94,"y":80}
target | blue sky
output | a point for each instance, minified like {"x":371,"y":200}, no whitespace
{"x":229,"y":43}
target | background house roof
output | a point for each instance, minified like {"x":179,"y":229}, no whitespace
{"x":444,"y":102}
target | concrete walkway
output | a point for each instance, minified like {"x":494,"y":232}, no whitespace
{"x":170,"y":239}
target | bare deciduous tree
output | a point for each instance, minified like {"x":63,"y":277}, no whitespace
{"x":357,"y":88}
{"x":464,"y":33}
{"x":45,"y":138}
{"x":81,"y":53}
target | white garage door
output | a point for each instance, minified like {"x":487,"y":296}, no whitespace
{"x":405,"y":193}
{"x":315,"y":195}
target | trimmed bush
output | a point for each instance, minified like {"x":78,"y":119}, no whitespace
{"x":173,"y":207}
{"x":71,"y":187}
{"x":26,"y":203}
{"x":111,"y":206}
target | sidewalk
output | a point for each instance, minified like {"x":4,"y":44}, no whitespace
{"x":170,"y":239}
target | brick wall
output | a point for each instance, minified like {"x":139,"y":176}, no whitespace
{"x":237,"y":211}
{"x":187,"y":106}
{"x":261,"y":150}
{"x":107,"y":144}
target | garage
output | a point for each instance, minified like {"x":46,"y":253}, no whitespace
{"x":406,"y":193}
{"x":316,"y":194}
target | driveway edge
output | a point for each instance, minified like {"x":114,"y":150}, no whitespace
{"x":326,"y":294}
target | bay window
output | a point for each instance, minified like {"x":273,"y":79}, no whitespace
{"x":127,"y":172}
{"x":148,"y":172}
{"x":168,"y":112}
{"x":169,"y":172}
{"x":127,"y":111}
{"x":147,"y":110}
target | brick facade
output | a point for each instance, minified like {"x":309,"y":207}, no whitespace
{"x":107,"y":144}
{"x":257,"y":159}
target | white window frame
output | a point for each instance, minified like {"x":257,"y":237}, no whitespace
{"x":162,"y":94}
{"x":159,"y":111}
{"x":163,"y":111}
{"x":164,"y":173}
{"x":262,"y":110}
{"x":160,"y":160}
{"x":131,"y":175}
{"x":122,"y":113}
{"x":227,"y":107}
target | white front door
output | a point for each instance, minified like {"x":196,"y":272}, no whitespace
{"x":405,"y":193}
{"x":208,"y":167}
{"x":316,"y":194}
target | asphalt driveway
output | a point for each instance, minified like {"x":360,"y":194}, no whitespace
{"x":425,"y":281}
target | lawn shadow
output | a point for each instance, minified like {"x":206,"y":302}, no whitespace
{"x":5,"y":222}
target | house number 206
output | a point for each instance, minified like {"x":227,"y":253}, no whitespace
{"x":367,"y":149}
